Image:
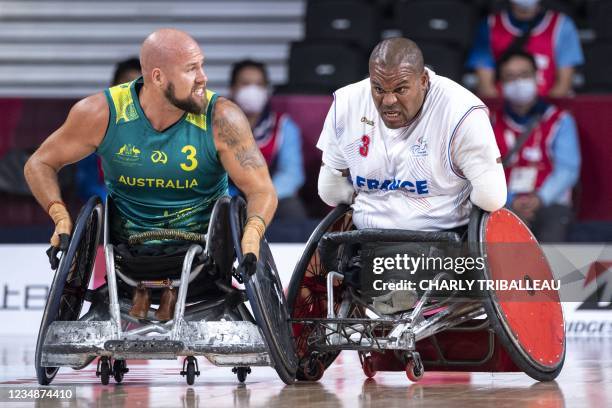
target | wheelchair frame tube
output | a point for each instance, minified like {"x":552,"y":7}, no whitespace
{"x":330,"y":292}
{"x":114,"y":309}
{"x":179,"y":309}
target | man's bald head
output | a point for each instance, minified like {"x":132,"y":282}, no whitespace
{"x":393,"y":52}
{"x":398,"y":81}
{"x":164,"y":48}
{"x":173,"y":68}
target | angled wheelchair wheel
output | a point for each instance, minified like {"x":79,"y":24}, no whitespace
{"x":529,"y":323}
{"x":219,"y":231}
{"x":69,"y":286}
{"x":267,"y":299}
{"x":307,"y":295}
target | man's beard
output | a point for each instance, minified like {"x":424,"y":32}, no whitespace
{"x":187,"y":104}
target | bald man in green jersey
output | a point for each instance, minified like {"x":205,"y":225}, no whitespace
{"x":167,"y":146}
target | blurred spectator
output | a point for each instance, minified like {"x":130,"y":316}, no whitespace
{"x":551,"y":37}
{"x":89,"y":177}
{"x":277,"y":136}
{"x":126,"y":71}
{"x":539,"y":147}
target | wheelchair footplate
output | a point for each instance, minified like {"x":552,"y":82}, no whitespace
{"x":230,"y":343}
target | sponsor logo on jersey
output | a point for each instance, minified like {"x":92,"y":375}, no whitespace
{"x":367,"y":121}
{"x":158,"y":182}
{"x":417,"y":186}
{"x":159,"y":157}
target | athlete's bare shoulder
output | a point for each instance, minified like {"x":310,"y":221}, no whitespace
{"x":233,"y":138}
{"x":89,"y":117}
{"x":93,"y":107}
{"x":230,"y":125}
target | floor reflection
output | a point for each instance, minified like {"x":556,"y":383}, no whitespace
{"x":584,"y":381}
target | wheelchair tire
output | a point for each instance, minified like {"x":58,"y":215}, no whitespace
{"x":219,"y":231}
{"x":336,"y":220}
{"x":69,"y":286}
{"x":267,"y":299}
{"x":529,"y":324}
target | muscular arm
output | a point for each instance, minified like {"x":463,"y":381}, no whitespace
{"x":78,"y":137}
{"x":475,"y":155}
{"x":242,"y":159}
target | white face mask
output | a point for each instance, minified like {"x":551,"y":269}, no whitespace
{"x":251,"y":98}
{"x":520,"y":91}
{"x":525,"y":4}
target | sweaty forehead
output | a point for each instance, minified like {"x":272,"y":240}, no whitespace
{"x":386,"y":76}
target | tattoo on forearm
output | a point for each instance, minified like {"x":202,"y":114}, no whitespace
{"x":228,"y":133}
{"x":249,"y":157}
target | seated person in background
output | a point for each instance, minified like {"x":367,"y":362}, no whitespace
{"x":277,"y":136}
{"x":552,"y":39}
{"x":89,"y":177}
{"x":418,"y":147}
{"x":539,"y":146}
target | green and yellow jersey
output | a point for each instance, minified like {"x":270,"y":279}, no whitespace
{"x":168,"y":179}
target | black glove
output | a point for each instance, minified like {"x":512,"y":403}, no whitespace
{"x":248,"y":266}
{"x":53,"y":251}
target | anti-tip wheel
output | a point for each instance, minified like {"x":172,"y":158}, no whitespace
{"x":413,"y":371}
{"x":368,"y":367}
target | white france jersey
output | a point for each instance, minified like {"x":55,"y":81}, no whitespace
{"x":406,"y":178}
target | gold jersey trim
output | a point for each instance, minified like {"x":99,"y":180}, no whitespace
{"x":125,"y":110}
{"x":200,"y":120}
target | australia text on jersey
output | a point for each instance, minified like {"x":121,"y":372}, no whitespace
{"x":158,"y":182}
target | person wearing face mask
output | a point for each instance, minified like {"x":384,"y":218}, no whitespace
{"x":551,"y":37}
{"x":540,"y":151}
{"x":276,"y":135}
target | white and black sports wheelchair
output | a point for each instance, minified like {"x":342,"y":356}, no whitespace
{"x":495,"y":330}
{"x":210,"y":318}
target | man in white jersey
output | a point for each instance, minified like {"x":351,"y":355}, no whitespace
{"x":408,"y":148}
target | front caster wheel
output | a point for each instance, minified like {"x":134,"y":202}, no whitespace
{"x":104,"y":370}
{"x":119,"y":370}
{"x":414,"y":371}
{"x":312,"y":369}
{"x":241,"y":373}
{"x":190,"y":369}
{"x":368,"y":367}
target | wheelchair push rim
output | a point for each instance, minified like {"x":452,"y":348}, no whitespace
{"x":267,"y":299}
{"x":71,"y":279}
{"x":529,"y":324}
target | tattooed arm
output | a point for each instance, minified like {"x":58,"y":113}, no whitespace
{"x":242,"y":159}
